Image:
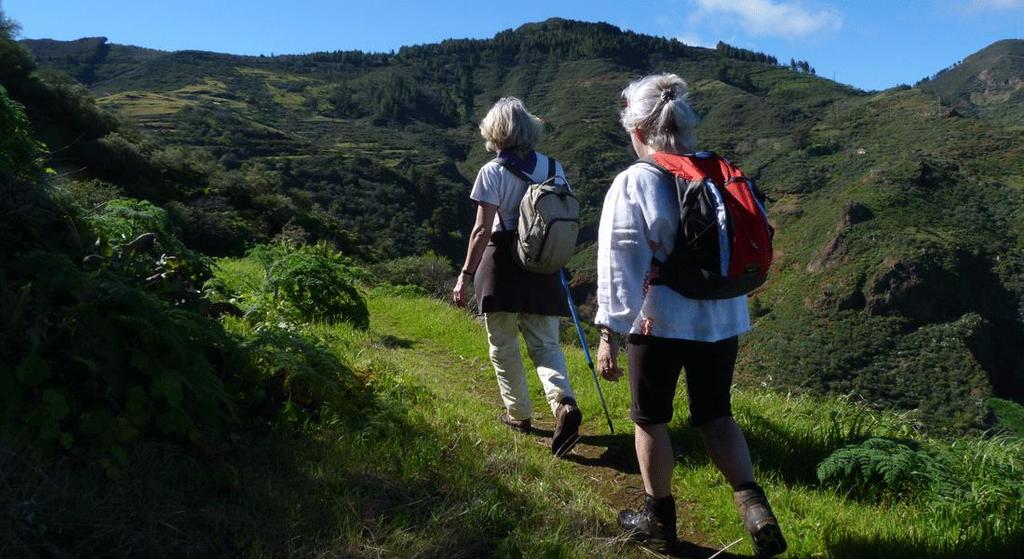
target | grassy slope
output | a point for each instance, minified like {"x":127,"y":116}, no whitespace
{"x":788,"y":436}
{"x":422,"y":468}
{"x":801,"y":136}
{"x":987,"y":82}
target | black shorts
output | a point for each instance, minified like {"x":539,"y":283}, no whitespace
{"x":654,"y":367}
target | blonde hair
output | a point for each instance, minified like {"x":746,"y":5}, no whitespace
{"x":656,"y":105}
{"x":509,"y":126}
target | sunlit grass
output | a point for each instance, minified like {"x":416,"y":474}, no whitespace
{"x":789,"y":435}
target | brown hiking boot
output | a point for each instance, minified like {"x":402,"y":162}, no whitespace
{"x":654,"y":525}
{"x":760,"y":521}
{"x":521,"y":425}
{"x":567,"y":427}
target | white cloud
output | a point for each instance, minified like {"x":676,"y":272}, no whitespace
{"x":694,"y":40}
{"x":770,"y":17}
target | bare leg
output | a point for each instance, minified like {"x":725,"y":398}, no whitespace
{"x":654,"y":452}
{"x":727,"y":448}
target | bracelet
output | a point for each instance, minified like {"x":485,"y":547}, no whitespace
{"x":466,"y":272}
{"x":608,"y":336}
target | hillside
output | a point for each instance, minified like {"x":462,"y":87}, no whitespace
{"x":988,"y":82}
{"x":900,"y":275}
{"x":304,"y":400}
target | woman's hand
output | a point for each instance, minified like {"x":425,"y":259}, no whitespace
{"x":608,"y":359}
{"x":459,"y":293}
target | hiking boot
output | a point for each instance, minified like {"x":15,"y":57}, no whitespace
{"x":759,"y":520}
{"x":567,"y":427}
{"x":521,"y":425}
{"x":654,"y":525}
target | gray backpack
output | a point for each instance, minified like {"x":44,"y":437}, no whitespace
{"x":549,"y":221}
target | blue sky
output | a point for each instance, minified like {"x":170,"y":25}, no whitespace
{"x":872,"y":44}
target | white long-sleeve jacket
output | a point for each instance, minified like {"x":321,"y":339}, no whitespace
{"x":639,"y":221}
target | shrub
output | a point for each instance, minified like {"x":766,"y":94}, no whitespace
{"x":211,"y":225}
{"x":19,"y":152}
{"x":312,"y":282}
{"x":90,"y":362}
{"x":430,"y":272}
{"x":299,"y":376}
{"x":136,"y":237}
{"x":87,"y":194}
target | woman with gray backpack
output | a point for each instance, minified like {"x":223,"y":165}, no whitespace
{"x":525,"y":230}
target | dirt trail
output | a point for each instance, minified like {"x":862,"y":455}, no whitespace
{"x":607,"y":460}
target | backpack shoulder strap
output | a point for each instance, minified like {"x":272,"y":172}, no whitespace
{"x":685,"y":166}
{"x":651,"y":162}
{"x":514,"y":169}
{"x":551,"y":167}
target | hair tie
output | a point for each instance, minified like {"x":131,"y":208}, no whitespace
{"x":668,"y":95}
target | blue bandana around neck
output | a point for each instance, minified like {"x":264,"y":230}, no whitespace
{"x":526,"y":165}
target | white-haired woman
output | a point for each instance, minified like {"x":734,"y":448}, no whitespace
{"x":668,"y":332}
{"x":511,"y":299}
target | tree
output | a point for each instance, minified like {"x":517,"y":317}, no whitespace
{"x":15,"y":60}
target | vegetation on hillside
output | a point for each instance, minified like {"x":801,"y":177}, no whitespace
{"x":309,"y":398}
{"x":374,"y":152}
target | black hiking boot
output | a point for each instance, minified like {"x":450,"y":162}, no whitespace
{"x":567,"y":427}
{"x":654,"y":525}
{"x":759,"y":520}
{"x":521,"y":425}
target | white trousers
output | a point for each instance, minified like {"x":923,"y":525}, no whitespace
{"x":541,"y":335}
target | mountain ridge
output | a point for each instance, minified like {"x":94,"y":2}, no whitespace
{"x":941,"y":228}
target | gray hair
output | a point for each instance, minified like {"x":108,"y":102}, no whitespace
{"x":656,"y":105}
{"x":509,"y":126}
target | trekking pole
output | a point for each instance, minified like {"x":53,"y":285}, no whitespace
{"x":586,"y":349}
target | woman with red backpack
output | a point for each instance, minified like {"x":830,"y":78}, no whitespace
{"x":642,"y":275}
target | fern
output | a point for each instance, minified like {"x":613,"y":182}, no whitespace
{"x":881,"y":469}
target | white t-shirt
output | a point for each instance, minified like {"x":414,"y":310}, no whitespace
{"x":500,"y":187}
{"x":639,"y":221}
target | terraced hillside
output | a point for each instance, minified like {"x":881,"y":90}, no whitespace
{"x":900,"y":274}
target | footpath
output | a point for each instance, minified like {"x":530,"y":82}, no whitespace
{"x":449,"y":359}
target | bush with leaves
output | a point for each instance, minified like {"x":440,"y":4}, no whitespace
{"x":137,"y":238}
{"x":91,"y":362}
{"x":90,"y":359}
{"x":15,"y":60}
{"x":430,"y":272}
{"x":298,"y":375}
{"x":312,"y":283}
{"x":19,"y":152}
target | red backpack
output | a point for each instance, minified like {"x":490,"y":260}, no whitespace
{"x":724,"y":245}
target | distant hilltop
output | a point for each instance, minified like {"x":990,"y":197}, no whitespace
{"x":900,"y":269}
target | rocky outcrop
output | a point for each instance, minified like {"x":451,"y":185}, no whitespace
{"x":830,"y":254}
{"x":918,"y":289}
{"x":854,"y":213}
{"x":937,"y":286}
{"x":834,"y":251}
{"x":844,"y":297}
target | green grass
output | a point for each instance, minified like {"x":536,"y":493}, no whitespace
{"x":419,"y":467}
{"x":788,"y":436}
{"x":443,"y":352}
